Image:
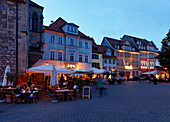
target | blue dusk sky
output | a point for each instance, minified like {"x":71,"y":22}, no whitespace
{"x":147,"y":19}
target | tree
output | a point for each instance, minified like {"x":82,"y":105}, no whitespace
{"x":164,"y":54}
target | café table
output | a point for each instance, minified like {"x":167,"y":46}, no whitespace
{"x":64,"y":93}
{"x":3,"y":90}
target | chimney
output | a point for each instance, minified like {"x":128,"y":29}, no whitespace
{"x":52,"y":21}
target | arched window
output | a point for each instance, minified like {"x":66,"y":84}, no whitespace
{"x":34,"y":21}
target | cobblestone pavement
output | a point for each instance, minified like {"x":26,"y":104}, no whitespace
{"x":125,"y":102}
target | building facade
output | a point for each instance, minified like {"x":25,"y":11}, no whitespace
{"x":15,"y":29}
{"x":65,"y":46}
{"x":127,"y":56}
{"x":97,"y":58}
{"x":148,"y":52}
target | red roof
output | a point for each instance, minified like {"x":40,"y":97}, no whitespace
{"x":59,"y":23}
{"x":101,"y":49}
{"x":144,"y":42}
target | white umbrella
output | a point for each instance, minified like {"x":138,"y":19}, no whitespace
{"x":80,"y":71}
{"x":54,"y":77}
{"x":7,"y":70}
{"x":96,"y":71}
{"x":48,"y":69}
{"x":155,"y":72}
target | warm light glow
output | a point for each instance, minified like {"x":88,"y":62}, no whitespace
{"x":165,"y":68}
{"x":46,"y":63}
{"x":128,"y":67}
{"x":71,"y":66}
{"x":143,"y":67}
{"x":113,"y":70}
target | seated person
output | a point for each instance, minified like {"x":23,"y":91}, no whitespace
{"x":17,"y":90}
{"x":32,"y":87}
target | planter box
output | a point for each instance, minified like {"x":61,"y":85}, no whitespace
{"x":9,"y":98}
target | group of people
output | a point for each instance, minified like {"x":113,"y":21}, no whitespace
{"x":24,"y":91}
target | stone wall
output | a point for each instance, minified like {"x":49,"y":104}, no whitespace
{"x":8,"y":36}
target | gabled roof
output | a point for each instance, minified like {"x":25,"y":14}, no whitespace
{"x":59,"y":23}
{"x":35,"y":4}
{"x":114,"y":41}
{"x":101,"y":49}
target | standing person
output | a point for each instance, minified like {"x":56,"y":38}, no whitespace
{"x":101,"y":87}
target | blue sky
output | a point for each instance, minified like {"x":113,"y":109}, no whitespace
{"x":148,"y":19}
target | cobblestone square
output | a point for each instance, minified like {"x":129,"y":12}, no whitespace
{"x":125,"y":102}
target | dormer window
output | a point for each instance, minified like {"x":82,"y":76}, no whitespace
{"x":68,"y":28}
{"x":117,"y":46}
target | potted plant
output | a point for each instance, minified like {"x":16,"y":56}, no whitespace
{"x":9,"y":96}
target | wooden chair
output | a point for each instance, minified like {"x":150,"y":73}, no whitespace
{"x":60,"y":95}
{"x":70,"y":95}
{"x":32,"y":97}
{"x":16,"y":98}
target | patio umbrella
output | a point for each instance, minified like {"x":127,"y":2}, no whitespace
{"x":7,"y":70}
{"x":80,"y":71}
{"x":155,"y":72}
{"x":96,"y":71}
{"x":48,"y":69}
{"x":54,"y":77}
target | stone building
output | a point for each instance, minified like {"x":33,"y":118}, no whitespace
{"x":29,"y":37}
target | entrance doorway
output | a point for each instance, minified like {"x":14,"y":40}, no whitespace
{"x":127,"y":75}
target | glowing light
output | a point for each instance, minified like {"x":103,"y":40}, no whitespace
{"x":165,"y":68}
{"x":46,"y":63}
{"x":128,"y":67}
{"x":113,"y":70}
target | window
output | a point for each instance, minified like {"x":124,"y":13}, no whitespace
{"x":80,"y":58}
{"x":129,"y":55}
{"x":125,"y":47}
{"x":137,"y":73}
{"x":105,"y":60}
{"x":121,"y":54}
{"x":71,"y":28}
{"x":60,"y":40}
{"x":126,"y":63}
{"x":60,"y":57}
{"x":71,"y":56}
{"x":136,"y":63}
{"x":133,"y":73}
{"x":133,"y":55}
{"x":95,"y":56}
{"x":117,"y":46}
{"x":117,"y":53}
{"x":68,"y":28}
{"x":86,"y":58}
{"x":109,"y":61}
{"x":133,"y":63}
{"x":72,"y":42}
{"x":128,"y":48}
{"x":52,"y":38}
{"x":121,"y":62}
{"x":113,"y":61}
{"x":118,"y":62}
{"x":129,"y":63}
{"x":133,"y":49}
{"x":125,"y":54}
{"x":34,"y":21}
{"x":97,"y":65}
{"x":110,"y":69}
{"x":136,"y":55}
{"x":52,"y":55}
{"x":86,"y":45}
{"x":80,"y":44}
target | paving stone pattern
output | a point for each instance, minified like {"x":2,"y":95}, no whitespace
{"x":127,"y":102}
